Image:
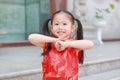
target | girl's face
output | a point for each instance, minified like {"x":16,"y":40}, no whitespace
{"x":62,"y":26}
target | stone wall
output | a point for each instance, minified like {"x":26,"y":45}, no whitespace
{"x":85,"y":10}
{"x":111,"y":30}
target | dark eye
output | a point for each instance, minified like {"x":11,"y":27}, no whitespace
{"x":64,"y":24}
{"x":56,"y":24}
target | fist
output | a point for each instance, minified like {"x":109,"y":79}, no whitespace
{"x":59,"y":45}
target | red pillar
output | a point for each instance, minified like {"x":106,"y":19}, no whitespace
{"x":56,"y":5}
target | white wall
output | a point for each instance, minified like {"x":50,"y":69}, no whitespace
{"x":111,"y":30}
{"x":70,"y":5}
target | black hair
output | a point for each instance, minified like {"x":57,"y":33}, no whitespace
{"x":79,"y":31}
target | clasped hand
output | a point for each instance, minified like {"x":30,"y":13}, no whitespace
{"x":60,"y":45}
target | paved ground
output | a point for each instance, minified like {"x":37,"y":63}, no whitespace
{"x":108,"y":75}
{"x":13,"y":59}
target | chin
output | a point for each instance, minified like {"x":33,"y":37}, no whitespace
{"x":61,"y":36}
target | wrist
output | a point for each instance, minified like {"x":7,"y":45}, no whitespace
{"x":66,"y":44}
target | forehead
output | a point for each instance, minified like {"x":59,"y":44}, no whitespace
{"x":61,"y":16}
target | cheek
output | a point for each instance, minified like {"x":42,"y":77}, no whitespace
{"x":53,"y":31}
{"x":69,"y":30}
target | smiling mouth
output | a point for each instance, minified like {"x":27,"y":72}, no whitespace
{"x":61,"y":32}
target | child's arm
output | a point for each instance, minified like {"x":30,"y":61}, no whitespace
{"x":39,"y":39}
{"x":80,"y":44}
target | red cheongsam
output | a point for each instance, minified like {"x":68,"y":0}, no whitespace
{"x":60,"y":65}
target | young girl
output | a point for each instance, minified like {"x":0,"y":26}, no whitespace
{"x":62,"y":52}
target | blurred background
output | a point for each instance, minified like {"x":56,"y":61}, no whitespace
{"x":20,"y":60}
{"x":19,"y":18}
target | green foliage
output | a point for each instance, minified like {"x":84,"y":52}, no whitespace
{"x":112,"y":6}
{"x":99,"y":12}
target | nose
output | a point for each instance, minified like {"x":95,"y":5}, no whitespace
{"x":60,"y":26}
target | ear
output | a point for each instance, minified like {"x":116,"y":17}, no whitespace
{"x":51,"y":28}
{"x":73,"y":28}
